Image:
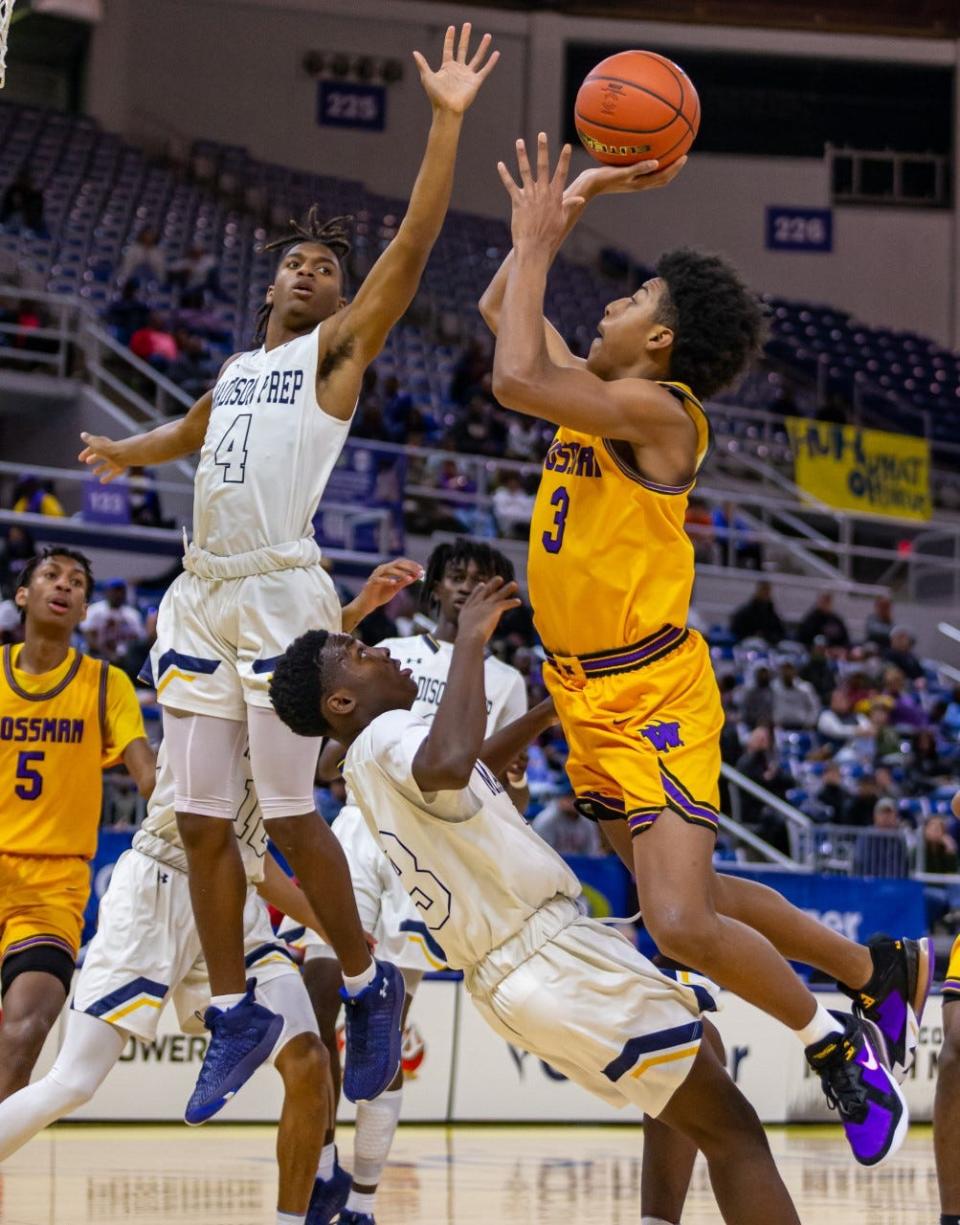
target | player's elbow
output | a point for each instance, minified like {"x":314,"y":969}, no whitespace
{"x":448,"y":773}
{"x":489,"y":315}
{"x":513,"y":388}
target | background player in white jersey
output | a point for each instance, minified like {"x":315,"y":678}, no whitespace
{"x":451,"y":573}
{"x":271,"y":432}
{"x":147,"y":952}
{"x":546,"y":978}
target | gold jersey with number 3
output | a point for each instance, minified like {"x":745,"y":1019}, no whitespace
{"x":610,"y":562}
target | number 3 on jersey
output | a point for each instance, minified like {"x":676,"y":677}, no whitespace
{"x":231,"y":452}
{"x":553,"y":540}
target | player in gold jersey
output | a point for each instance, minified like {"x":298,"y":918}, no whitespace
{"x":63,"y":717}
{"x":610,"y":574}
{"x":946,"y":1106}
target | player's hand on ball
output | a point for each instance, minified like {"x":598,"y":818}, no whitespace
{"x":485,"y":605}
{"x":457,"y":81}
{"x":104,"y":457}
{"x":614,"y":180}
{"x":541,"y":208}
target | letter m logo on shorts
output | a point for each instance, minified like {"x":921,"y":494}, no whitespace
{"x":663,"y":736}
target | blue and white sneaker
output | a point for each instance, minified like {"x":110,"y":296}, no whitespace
{"x":355,"y":1218}
{"x":373,"y":1038}
{"x":241,"y":1038}
{"x":329,"y":1196}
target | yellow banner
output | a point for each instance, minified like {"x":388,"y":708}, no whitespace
{"x":862,"y":470}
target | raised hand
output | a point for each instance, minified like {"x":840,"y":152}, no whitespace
{"x":611,"y":180}
{"x":541,"y":208}
{"x":457,"y":81}
{"x":389,"y":578}
{"x":104,"y":457}
{"x":483,"y":608}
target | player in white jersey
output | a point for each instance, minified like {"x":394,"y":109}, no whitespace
{"x":451,"y":573}
{"x":546,"y":978}
{"x":269,"y":434}
{"x":147,"y":952}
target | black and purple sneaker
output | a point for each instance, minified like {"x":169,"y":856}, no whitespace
{"x":896,"y":995}
{"x":853,"y":1070}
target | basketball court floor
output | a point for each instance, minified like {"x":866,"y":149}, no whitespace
{"x":437,"y":1176}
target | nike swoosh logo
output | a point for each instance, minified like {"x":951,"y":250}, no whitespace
{"x":870,"y":1059}
{"x":620,"y":722}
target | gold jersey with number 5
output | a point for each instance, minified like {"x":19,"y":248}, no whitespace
{"x":610,"y":573}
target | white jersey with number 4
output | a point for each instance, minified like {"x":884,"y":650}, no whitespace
{"x":471,"y":865}
{"x":268,"y":451}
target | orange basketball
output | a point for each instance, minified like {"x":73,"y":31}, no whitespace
{"x":636,"y":106}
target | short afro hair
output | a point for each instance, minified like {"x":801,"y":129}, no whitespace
{"x":718,"y":323}
{"x":297,"y":685}
{"x":489,"y":561}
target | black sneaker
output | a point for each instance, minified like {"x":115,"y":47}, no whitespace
{"x":858,"y":1085}
{"x":896,"y":995}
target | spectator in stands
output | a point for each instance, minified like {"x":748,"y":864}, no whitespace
{"x":840,"y":725}
{"x":30,"y":497}
{"x":832,"y":796}
{"x":134,"y":654}
{"x":512,"y":506}
{"x":861,"y":804}
{"x":22,"y":205}
{"x":15,"y":552}
{"x":734,"y":537}
{"x":699,"y":526}
{"x":819,"y":669}
{"x":883,"y":850}
{"x":478,"y":430}
{"x":11,"y":624}
{"x":821,"y":620}
{"x":468,"y":374}
{"x":925,"y":767}
{"x":194,"y":369}
{"x":939,"y":848}
{"x":560,"y":825}
{"x":886,"y":741}
{"x":524,"y":438}
{"x":129,"y":313}
{"x":144,"y":259}
{"x":758,"y":618}
{"x":111,"y":623}
{"x":950,"y":722}
{"x":796,"y":706}
{"x":154,"y":343}
{"x":397,"y":405}
{"x":195,"y":275}
{"x":906,"y":710}
{"x":756,"y":705}
{"x":900,"y":653}
{"x":144,"y":499}
{"x":879,"y":623}
{"x":761,"y":765}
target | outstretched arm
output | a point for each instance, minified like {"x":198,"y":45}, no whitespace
{"x":503,"y":748}
{"x":525,"y":377}
{"x":360,"y":330}
{"x":449,"y":752}
{"x":379,"y":589}
{"x":177,"y":439}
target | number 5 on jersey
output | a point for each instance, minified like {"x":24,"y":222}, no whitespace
{"x":231,"y":452}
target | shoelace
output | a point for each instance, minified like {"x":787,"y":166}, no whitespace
{"x":844,"y":1093}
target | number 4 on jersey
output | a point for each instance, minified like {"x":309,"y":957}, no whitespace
{"x":231,"y":452}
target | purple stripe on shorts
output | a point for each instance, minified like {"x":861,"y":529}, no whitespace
{"x":688,"y":806}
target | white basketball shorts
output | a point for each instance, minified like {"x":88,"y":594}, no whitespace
{"x":580,"y":997}
{"x":218,"y":640}
{"x":384,"y":906}
{"x":147,"y":951}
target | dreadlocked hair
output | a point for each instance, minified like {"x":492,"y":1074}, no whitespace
{"x":718,"y":323}
{"x":334,"y":234}
{"x":297,"y":685}
{"x":490,"y":562}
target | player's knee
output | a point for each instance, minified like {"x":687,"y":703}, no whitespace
{"x":305,"y":1066}
{"x":684,"y":932}
{"x":204,"y":834}
{"x":23,"y":1039}
{"x":73,"y":1088}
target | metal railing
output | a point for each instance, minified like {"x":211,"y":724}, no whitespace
{"x":854,"y":850}
{"x":800,"y":829}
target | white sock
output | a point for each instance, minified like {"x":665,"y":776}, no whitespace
{"x":328,"y":1159}
{"x":357,"y":983}
{"x":223,"y":1002}
{"x":376,"y":1127}
{"x":290,"y":1218}
{"x":818,"y":1027}
{"x":360,"y":1203}
{"x":89,"y":1051}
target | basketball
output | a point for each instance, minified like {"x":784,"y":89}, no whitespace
{"x":637,"y":106}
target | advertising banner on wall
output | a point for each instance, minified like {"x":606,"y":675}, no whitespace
{"x":854,"y":469}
